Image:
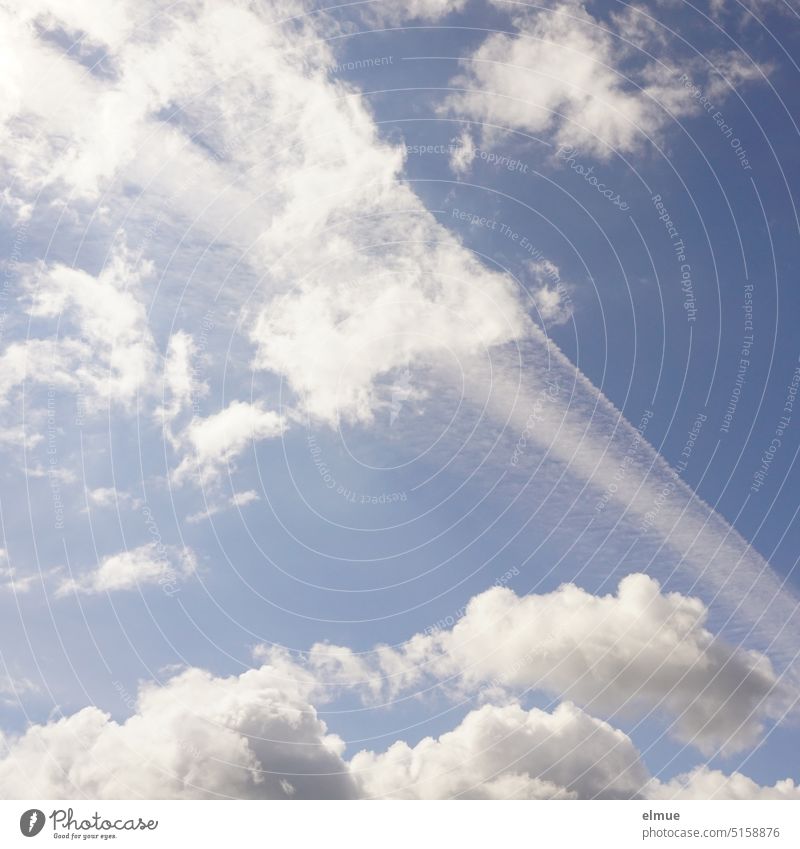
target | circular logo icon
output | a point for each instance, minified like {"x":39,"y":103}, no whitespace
{"x":31,"y":822}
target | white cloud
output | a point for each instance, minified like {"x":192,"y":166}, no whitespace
{"x":560,"y":76}
{"x":730,"y":71}
{"x":388,"y":12}
{"x":333,"y":186}
{"x":633,"y":653}
{"x":705,"y":783}
{"x":197,"y":736}
{"x":549,"y":292}
{"x":54,"y":473}
{"x":510,"y":753}
{"x":99,"y":344}
{"x":39,"y":360}
{"x":149,"y":564}
{"x":181,"y":387}
{"x":258,"y":735}
{"x":110,"y":320}
{"x":242,"y":499}
{"x":76,"y":129}
{"x":334,"y":342}
{"x":384,"y":290}
{"x":577,"y":428}
{"x":463,"y":154}
{"x":10,"y":581}
{"x":238,"y":500}
{"x":216,"y":441}
{"x":580,"y":81}
{"x":13,"y":689}
{"x":103,"y":497}
{"x":507,"y":752}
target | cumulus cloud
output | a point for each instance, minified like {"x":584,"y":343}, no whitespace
{"x":333,"y":343}
{"x":574,"y":79}
{"x":507,"y":752}
{"x":258,"y":736}
{"x":558,"y":75}
{"x":633,"y":653}
{"x":103,"y":347}
{"x":215,"y":441}
{"x":148,"y":564}
{"x":705,"y":783}
{"x":198,"y":736}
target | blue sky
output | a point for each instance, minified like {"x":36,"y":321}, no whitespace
{"x":326,"y":338}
